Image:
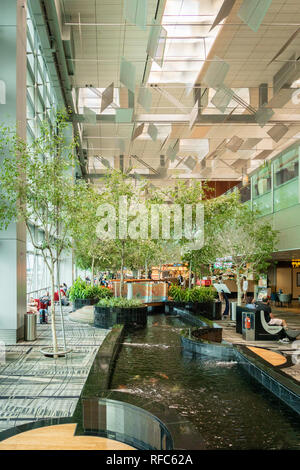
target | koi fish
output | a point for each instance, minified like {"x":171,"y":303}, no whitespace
{"x":164,"y":376}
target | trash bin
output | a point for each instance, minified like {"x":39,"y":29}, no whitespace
{"x":30,"y":327}
{"x":249,"y":326}
{"x":233,"y":311}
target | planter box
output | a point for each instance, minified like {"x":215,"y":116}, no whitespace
{"x":208,"y":334}
{"x":210,"y":310}
{"x":79,"y":303}
{"x":106,"y":317}
{"x":170,"y":305}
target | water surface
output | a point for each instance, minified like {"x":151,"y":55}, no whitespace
{"x":205,"y":404}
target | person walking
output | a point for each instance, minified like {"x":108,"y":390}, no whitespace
{"x":245,"y":288}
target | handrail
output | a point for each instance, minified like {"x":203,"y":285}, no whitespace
{"x":42,"y":289}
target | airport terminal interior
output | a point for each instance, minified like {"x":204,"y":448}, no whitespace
{"x":149,"y":225}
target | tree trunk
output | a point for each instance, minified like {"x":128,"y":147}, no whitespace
{"x":60,"y":305}
{"x":239,"y":289}
{"x":53,"y":328}
{"x":146,"y":270}
{"x":190,"y":274}
{"x":122,"y":270}
{"x":93,"y":270}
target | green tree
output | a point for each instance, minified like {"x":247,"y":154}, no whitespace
{"x":234,"y":230}
{"x":39,"y":190}
{"x":90,"y":252}
{"x":122,"y":249}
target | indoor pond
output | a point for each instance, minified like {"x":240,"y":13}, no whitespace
{"x":205,"y":404}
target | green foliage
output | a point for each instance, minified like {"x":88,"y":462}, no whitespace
{"x":196,"y":294}
{"x":77,"y":290}
{"x":176,"y":293}
{"x":81,"y":290}
{"x":120,"y":302}
{"x":97,"y":292}
{"x":204,"y":294}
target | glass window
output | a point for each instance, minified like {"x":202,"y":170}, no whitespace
{"x":245,"y":192}
{"x":286,"y":167}
{"x":286,"y":195}
{"x":262,"y":182}
{"x":263,"y":203}
{"x":40,"y":96}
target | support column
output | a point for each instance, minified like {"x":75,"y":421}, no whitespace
{"x":13,"y":113}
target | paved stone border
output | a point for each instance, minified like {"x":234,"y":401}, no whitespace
{"x":271,"y":377}
{"x":33,"y":387}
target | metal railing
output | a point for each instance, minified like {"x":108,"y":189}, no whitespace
{"x":39,"y":293}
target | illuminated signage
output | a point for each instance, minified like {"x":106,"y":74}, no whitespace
{"x":223,"y":263}
{"x":296,"y":263}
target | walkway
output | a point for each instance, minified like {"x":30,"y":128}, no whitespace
{"x":292,"y":317}
{"x":33,"y":387}
{"x":60,"y":437}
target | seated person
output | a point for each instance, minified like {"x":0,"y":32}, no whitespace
{"x":287,"y":334}
{"x":264,"y":305}
{"x":250,"y":303}
{"x":64,"y":299}
{"x":277,"y":321}
{"x":45,"y":301}
{"x":32,"y":305}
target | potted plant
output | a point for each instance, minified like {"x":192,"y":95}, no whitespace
{"x":82,"y":294}
{"x":177,"y":295}
{"x":118,"y":310}
{"x":204,"y":298}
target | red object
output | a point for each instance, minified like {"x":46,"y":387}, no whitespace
{"x":247,"y":323}
{"x":206,"y":282}
{"x":56,"y":297}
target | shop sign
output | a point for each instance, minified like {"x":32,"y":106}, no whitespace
{"x":296,"y":263}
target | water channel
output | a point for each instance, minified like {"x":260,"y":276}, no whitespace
{"x":206,"y":404}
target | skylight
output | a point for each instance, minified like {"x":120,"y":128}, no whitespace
{"x":188,"y":42}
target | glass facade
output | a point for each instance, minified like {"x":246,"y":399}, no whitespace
{"x":41,"y":106}
{"x":41,"y":99}
{"x":276,"y":185}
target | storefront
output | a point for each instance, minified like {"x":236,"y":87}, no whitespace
{"x":170,"y":271}
{"x":287,"y":277}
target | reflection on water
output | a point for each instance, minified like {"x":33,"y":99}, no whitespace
{"x":211,"y":404}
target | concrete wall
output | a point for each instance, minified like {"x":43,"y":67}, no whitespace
{"x":284,"y":280}
{"x":13,"y":113}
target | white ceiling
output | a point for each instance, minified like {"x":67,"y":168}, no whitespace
{"x":102,"y":37}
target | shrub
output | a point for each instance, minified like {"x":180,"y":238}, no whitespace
{"x":176,"y":292}
{"x":77,"y":290}
{"x":97,"y":292}
{"x":80,"y":290}
{"x":196,"y":294}
{"x":204,"y":294}
{"x":120,"y":302}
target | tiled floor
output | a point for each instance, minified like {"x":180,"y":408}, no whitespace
{"x":59,"y":437}
{"x":33,"y":387}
